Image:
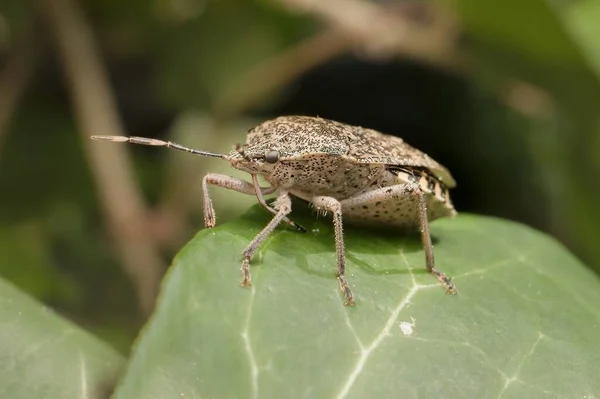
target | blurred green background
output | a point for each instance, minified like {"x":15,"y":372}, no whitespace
{"x":506,"y":94}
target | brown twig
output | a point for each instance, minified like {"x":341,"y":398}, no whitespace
{"x":14,"y":79}
{"x":526,"y":98}
{"x":425,"y":32}
{"x":274,"y":73}
{"x":352,"y":25}
{"x":122,"y":202}
{"x":388,"y":31}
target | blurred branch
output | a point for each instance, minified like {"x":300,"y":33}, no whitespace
{"x":425,"y":32}
{"x":527,"y":99}
{"x":274,"y":73}
{"x":15,"y":76}
{"x":122,"y":202}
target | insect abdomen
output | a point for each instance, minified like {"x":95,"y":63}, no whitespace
{"x":402,"y":211}
{"x":428,"y":183}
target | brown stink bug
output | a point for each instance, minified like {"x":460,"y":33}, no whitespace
{"x":359,"y":175}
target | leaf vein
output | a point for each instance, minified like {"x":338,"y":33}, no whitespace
{"x":515,"y":376}
{"x":365,"y":353}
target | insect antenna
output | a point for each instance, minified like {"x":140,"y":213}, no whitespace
{"x":155,"y":142}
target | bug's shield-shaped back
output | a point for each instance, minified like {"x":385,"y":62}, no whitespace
{"x":371,"y":147}
{"x":295,"y":139}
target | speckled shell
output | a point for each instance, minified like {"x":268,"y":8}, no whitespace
{"x":320,"y":157}
{"x":298,"y":137}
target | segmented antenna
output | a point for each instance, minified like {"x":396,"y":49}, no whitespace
{"x":157,"y":143}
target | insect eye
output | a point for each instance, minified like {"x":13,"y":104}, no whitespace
{"x":272,"y":156}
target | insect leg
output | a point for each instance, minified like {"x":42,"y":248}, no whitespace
{"x":229,"y":182}
{"x":283,"y":204}
{"x":398,"y":191}
{"x":428,"y":246}
{"x":240,"y":186}
{"x":332,"y":205}
{"x":259,"y":195}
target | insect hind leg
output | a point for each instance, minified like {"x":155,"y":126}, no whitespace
{"x":413,"y":193}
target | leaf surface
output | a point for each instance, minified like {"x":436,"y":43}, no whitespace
{"x":524,"y":323}
{"x":42,"y":355}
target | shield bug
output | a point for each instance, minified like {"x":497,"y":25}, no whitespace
{"x":358,"y":175}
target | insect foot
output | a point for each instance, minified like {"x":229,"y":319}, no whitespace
{"x":359,"y":175}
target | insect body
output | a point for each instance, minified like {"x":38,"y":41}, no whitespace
{"x":358,"y":175}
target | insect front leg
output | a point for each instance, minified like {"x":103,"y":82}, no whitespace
{"x":228,"y":182}
{"x":240,"y":186}
{"x":259,"y":195}
{"x":409,"y":190}
{"x":283,"y":205}
{"x":332,"y":205}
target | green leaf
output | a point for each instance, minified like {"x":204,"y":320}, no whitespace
{"x":43,"y":355}
{"x":524,"y":323}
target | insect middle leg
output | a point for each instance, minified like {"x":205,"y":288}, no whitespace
{"x":332,"y":205}
{"x":283,"y":204}
{"x":401,"y":191}
{"x":238,"y":185}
